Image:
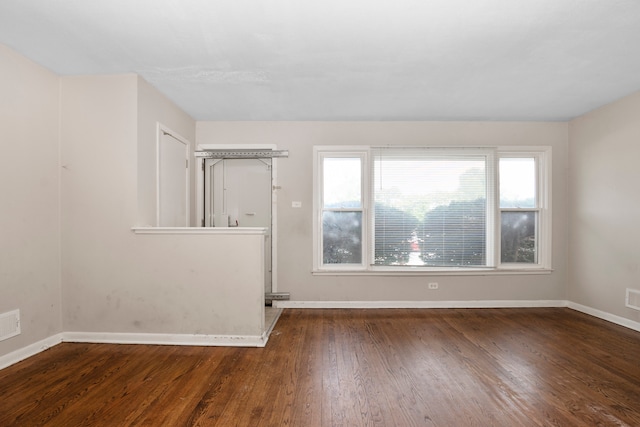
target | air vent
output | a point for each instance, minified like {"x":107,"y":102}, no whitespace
{"x":9,"y":324}
{"x":633,"y":299}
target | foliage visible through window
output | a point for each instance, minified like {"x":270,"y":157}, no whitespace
{"x":518,"y":210}
{"x":341,"y":236}
{"x":430,"y":209}
{"x":439,"y":208}
{"x":342,"y":210}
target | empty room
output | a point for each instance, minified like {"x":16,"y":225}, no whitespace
{"x":339,"y":213}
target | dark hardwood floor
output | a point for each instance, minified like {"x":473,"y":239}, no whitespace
{"x":423,"y":367}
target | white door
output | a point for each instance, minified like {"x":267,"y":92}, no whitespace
{"x":173,"y":182}
{"x":238,"y":193}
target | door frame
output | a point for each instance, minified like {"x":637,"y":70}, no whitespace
{"x":161,"y":131}
{"x":200,"y":219}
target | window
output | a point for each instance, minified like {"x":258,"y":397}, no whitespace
{"x":523,"y":212}
{"x":432,"y":209}
{"x":342,"y":209}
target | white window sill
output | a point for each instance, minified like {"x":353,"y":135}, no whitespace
{"x":434,"y":272}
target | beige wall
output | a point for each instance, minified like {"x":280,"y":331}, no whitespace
{"x":116,"y":281}
{"x":30,"y":211}
{"x":99,"y":197}
{"x":295,"y":225}
{"x":153,"y":107}
{"x":604,"y":173}
{"x":75,"y":177}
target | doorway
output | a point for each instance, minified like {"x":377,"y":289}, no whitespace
{"x":172,"y":185}
{"x":238,"y":192}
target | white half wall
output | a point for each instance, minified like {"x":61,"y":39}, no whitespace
{"x":190,"y":285}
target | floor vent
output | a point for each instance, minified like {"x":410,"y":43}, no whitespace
{"x":633,"y":299}
{"x":9,"y":324}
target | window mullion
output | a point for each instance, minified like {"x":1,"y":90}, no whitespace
{"x":493,"y":211}
{"x":460,"y":218}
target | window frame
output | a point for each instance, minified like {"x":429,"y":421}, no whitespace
{"x":542,"y":154}
{"x":542,"y":157}
{"x":318,"y":210}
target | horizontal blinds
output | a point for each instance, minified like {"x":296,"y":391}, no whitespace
{"x":430,"y":206}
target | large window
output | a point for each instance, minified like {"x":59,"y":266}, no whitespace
{"x":423,"y":209}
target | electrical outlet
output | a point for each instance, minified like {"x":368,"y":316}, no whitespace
{"x":433,"y":285}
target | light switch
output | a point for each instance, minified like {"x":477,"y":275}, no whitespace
{"x":296,"y":204}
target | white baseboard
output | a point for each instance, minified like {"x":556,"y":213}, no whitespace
{"x":167,"y":339}
{"x":123,"y":338}
{"x":261,"y":341}
{"x":421,"y":304}
{"x":30,"y":350}
{"x":627,"y":323}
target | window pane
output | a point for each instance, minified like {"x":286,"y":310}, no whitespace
{"x":429,"y":210}
{"x":342,"y":182}
{"x":455,"y":234}
{"x":342,"y":237}
{"x":519,"y":235}
{"x":518,"y":182}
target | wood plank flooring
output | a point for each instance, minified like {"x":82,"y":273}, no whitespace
{"x":423,"y":367}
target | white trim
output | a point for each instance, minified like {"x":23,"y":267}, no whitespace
{"x":30,"y":350}
{"x":199,"y":178}
{"x":422,"y":304}
{"x":200,"y":230}
{"x":167,"y":339}
{"x":544,"y":168}
{"x":542,"y":155}
{"x":130,"y":338}
{"x":320,"y":154}
{"x":274,"y":225}
{"x":260,"y":341}
{"x":622,"y":321}
{"x":161,"y":130}
{"x":417,"y":271}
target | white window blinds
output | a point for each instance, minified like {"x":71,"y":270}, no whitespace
{"x":430,"y":206}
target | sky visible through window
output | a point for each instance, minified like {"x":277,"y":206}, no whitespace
{"x":517,"y":182}
{"x":421,"y":177}
{"x":342,"y":182}
{"x":427,"y":210}
{"x":342,"y":179}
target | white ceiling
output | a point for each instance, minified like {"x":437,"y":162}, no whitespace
{"x":346,"y":59}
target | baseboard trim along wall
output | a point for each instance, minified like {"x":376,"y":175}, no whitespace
{"x":261,"y":341}
{"x":463,"y":304}
{"x":121,"y":338}
{"x":622,"y":321}
{"x":421,"y":304}
{"x":30,"y":350}
{"x":167,"y":339}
